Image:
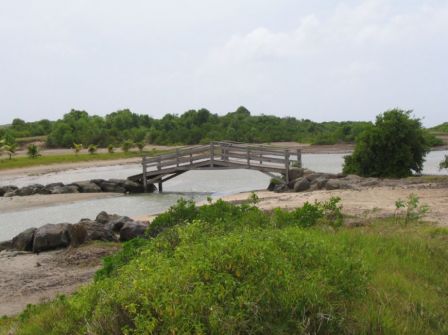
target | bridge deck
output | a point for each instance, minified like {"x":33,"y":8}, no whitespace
{"x":216,"y":156}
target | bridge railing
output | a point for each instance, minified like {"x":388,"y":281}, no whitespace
{"x":225,"y":154}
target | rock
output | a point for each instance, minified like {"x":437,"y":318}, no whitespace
{"x":117,"y":224}
{"x":52,"y":236}
{"x":87,"y":187}
{"x":11,"y":193}
{"x":30,"y":190}
{"x":78,"y":234}
{"x":108,"y":186}
{"x":96,"y":231}
{"x":274,"y":183}
{"x":132,"y":230}
{"x":319,"y":183}
{"x":24,"y":241}
{"x":369,"y":182}
{"x":64,"y":189}
{"x":301,"y":184}
{"x":7,"y":189}
{"x":5,"y":245}
{"x":133,"y":187}
{"x":295,"y":173}
{"x":105,"y":218}
{"x":353,"y":178}
{"x":334,"y":184}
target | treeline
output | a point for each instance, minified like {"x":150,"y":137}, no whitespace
{"x":191,"y":127}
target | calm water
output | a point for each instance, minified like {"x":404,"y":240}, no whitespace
{"x":194,"y":185}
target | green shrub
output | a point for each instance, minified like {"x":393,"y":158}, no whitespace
{"x":33,"y":151}
{"x":92,"y":149}
{"x":394,"y":147}
{"x":444,"y":164}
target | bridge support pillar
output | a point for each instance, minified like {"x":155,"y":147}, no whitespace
{"x":160,"y":187}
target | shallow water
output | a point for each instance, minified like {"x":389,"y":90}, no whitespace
{"x":194,"y":185}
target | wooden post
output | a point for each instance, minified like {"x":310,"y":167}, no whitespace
{"x":160,"y":187}
{"x":248,"y":156}
{"x":212,"y":153}
{"x":177,"y":157}
{"x":191,"y":158}
{"x":145,"y":180}
{"x":287,"y":166}
{"x":299,"y":158}
{"x":159,"y":167}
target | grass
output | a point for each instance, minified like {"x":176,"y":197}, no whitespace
{"x":24,"y":162}
{"x":233,"y":269}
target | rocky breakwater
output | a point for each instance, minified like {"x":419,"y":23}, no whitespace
{"x":105,"y":227}
{"x":306,"y":180}
{"x":87,"y":186}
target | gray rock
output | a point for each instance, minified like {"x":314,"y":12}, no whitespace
{"x":117,"y":224}
{"x":334,"y":184}
{"x":5,"y":245}
{"x":11,"y":193}
{"x":87,"y":187}
{"x":295,"y":173}
{"x":133,"y":187}
{"x":369,"y":182}
{"x":24,"y":241}
{"x":52,"y":236}
{"x":108,"y":186}
{"x":319,"y":183}
{"x":78,"y":234}
{"x":64,"y":189}
{"x":96,"y":231}
{"x":132,"y":230}
{"x":301,"y":184}
{"x":7,"y":189}
{"x":105,"y":218}
{"x":30,"y":190}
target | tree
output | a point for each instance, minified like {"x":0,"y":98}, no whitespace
{"x":444,"y":164}
{"x":127,"y":145}
{"x":395,"y":146}
{"x":77,"y":148}
{"x":92,"y":149}
{"x":140,"y":146}
{"x":10,"y":149}
{"x":33,"y":151}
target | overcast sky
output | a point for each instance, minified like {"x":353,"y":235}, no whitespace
{"x":320,"y":60}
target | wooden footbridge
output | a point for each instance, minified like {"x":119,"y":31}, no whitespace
{"x":217,"y":156}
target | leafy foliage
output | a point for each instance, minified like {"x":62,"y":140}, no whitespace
{"x":444,"y":164}
{"x":92,"y":149}
{"x":33,"y":151}
{"x":409,"y":210}
{"x":127,"y":145}
{"x":394,"y":147}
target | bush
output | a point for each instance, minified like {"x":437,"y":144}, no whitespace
{"x":127,"y":145}
{"x":444,"y":164}
{"x":110,"y":149}
{"x":394,"y":147}
{"x":92,"y":149}
{"x":33,"y":151}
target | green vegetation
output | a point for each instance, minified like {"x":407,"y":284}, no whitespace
{"x":92,"y":149}
{"x":229,"y":269}
{"x":192,"y":127}
{"x":441,"y":128}
{"x":127,"y":145}
{"x":22,"y":162}
{"x":444,"y":164}
{"x":77,"y":148}
{"x":33,"y":151}
{"x":409,"y":210}
{"x":110,"y":149}
{"x":394,"y":147}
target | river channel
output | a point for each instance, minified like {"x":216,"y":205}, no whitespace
{"x":195,"y":185}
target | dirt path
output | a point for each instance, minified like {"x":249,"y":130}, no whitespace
{"x":27,"y":278}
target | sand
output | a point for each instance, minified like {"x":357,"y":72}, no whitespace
{"x":27,"y":278}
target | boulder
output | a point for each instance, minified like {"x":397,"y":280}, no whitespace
{"x":78,"y":234}
{"x":5,"y":245}
{"x":295,"y":172}
{"x":105,"y":218}
{"x":96,"y":231}
{"x":369,"y":182}
{"x":301,"y":184}
{"x":319,"y":183}
{"x":64,"y":189}
{"x":24,"y":241}
{"x":132,"y":230}
{"x":52,"y":236}
{"x":109,"y":186}
{"x":30,"y":190}
{"x":87,"y":187}
{"x":11,"y":193}
{"x":274,"y":183}
{"x":7,"y":189}
{"x":117,"y":224}
{"x":334,"y":184}
{"x":133,"y":187}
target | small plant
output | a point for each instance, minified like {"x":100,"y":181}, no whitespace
{"x":77,"y":148}
{"x":253,"y":199}
{"x":209,"y":199}
{"x":110,"y":149}
{"x":33,"y":151}
{"x":140,"y":146}
{"x":127,"y":145}
{"x":409,"y":210}
{"x":92,"y":149}
{"x":10,"y":149}
{"x":444,"y":164}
